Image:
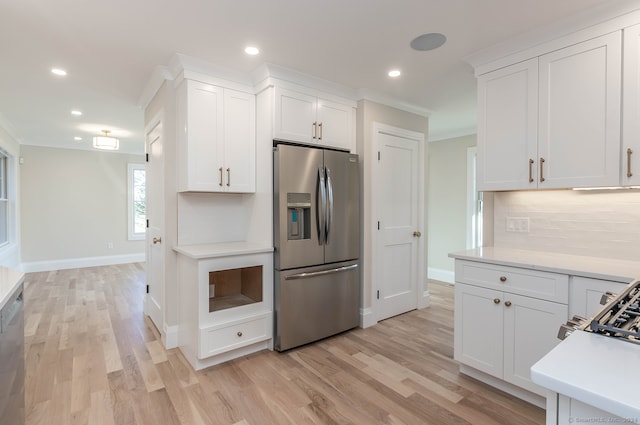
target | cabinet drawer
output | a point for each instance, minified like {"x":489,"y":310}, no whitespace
{"x":241,"y":333}
{"x":531,"y":283}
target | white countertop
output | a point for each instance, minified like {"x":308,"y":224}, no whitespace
{"x":593,"y":267}
{"x":9,"y":280}
{"x":227,"y":249}
{"x":595,"y":369}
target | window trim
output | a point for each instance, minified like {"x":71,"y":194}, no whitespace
{"x":132,"y":236}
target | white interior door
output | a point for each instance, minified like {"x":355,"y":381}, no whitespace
{"x":398,"y":209}
{"x":154,"y":301}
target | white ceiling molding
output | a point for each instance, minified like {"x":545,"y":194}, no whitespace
{"x":366,"y":94}
{"x":596,"y":20}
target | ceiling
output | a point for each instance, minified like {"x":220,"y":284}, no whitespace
{"x":111,"y":48}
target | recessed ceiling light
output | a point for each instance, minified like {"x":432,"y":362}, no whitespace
{"x":58,"y":71}
{"x":77,"y":139}
{"x":76,"y":112}
{"x":428,"y":41}
{"x":394,"y":73}
{"x":250,"y":50}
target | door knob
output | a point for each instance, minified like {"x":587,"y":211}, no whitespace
{"x":417,"y":234}
{"x":157,"y":240}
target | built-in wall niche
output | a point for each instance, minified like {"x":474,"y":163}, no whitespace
{"x":235,"y":287}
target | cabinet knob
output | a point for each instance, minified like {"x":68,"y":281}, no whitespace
{"x":503,"y":278}
{"x":507,"y":303}
{"x":496,"y":300}
{"x":239,"y":333}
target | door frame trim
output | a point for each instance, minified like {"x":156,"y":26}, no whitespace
{"x":157,"y":120}
{"x":422,"y":294}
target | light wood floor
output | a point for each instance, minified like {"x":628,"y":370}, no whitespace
{"x":93,"y":358}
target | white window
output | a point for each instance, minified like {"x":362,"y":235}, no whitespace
{"x":137,"y":204}
{"x":4,"y":202}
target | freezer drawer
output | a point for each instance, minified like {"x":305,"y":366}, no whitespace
{"x":315,"y":302}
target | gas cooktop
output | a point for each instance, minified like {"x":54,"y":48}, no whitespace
{"x":619,"y":318}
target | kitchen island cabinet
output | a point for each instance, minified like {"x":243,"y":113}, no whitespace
{"x":591,"y":378}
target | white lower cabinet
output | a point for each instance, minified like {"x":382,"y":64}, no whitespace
{"x":585,"y":294}
{"x":504,"y":334}
{"x":225,"y":305}
{"x":506,"y":319}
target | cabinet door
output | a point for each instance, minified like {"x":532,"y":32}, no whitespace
{"x":335,"y":127}
{"x":201,"y":141}
{"x":631,"y":108}
{"x":507,"y":127}
{"x":530,"y":331}
{"x":579,"y":114}
{"x":295,"y":116}
{"x":478,"y":328}
{"x":585,"y":294}
{"x":239,"y":141}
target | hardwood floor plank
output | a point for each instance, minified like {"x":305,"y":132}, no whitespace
{"x":92,"y":357}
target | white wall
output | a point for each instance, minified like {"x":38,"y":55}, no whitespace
{"x":73,"y":203}
{"x":591,"y":223}
{"x":447,"y":203}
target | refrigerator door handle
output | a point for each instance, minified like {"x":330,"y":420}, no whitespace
{"x":321,"y":203}
{"x":321,"y":273}
{"x":329,"y":204}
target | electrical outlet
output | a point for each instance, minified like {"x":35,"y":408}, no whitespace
{"x":110,"y":245}
{"x":517,"y":224}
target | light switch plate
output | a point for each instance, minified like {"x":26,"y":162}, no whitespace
{"x":517,"y":224}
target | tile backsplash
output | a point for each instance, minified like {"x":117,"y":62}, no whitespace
{"x":598,"y":223}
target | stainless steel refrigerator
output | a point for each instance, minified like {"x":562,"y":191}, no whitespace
{"x":317,"y":244}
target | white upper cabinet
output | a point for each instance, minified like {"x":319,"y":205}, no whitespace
{"x":239,"y":141}
{"x":216,"y":139}
{"x":631,"y":108}
{"x":508,"y":127}
{"x":579,"y":114}
{"x":553,"y":121}
{"x":305,"y":118}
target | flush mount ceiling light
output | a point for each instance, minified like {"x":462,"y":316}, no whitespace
{"x":58,"y":71}
{"x":394,"y":73}
{"x":76,"y":112}
{"x":250,"y":50}
{"x":77,"y":139}
{"x":106,"y":142}
{"x":429,"y":41}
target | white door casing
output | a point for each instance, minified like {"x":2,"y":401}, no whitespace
{"x":399,"y":246}
{"x":154,"y":301}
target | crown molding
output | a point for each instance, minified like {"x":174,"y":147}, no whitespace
{"x":586,"y":24}
{"x":373,"y":96}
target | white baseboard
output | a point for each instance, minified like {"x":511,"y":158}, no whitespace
{"x":76,"y":263}
{"x":425,"y":300}
{"x":441,"y":275}
{"x":170,"y":336}
{"x":366,"y":318}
